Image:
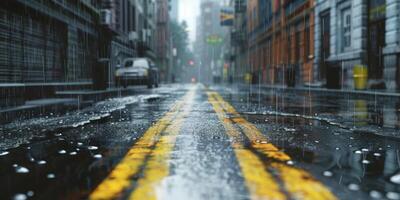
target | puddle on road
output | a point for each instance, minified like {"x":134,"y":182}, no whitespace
{"x":350,"y":158}
{"x":71,"y":161}
{"x":22,"y":132}
{"x":354,"y":143}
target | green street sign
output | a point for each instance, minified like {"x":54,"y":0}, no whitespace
{"x":214,"y":40}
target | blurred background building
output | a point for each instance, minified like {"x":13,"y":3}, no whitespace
{"x":129,"y":27}
{"x":173,"y":9}
{"x":163,"y":39}
{"x":210,"y":38}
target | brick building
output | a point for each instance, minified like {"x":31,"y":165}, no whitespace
{"x":280,"y":40}
{"x":163,"y":39}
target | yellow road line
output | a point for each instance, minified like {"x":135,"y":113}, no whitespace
{"x":157,"y":167}
{"x":259,"y":182}
{"x":299,"y":183}
{"x":121,"y":176}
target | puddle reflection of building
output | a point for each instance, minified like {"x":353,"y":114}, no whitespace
{"x":371,"y":169}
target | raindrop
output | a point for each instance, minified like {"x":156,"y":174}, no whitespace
{"x":354,"y":187}
{"x":80,"y":143}
{"x":377,"y":154}
{"x":365,"y":150}
{"x":98,"y":156}
{"x":4,"y":153}
{"x":32,"y":159}
{"x":393,"y":195}
{"x":328,"y":173}
{"x":73,"y":153}
{"x":395,"y":178}
{"x":62,"y":152}
{"x":41,"y":162}
{"x":22,"y":170}
{"x":51,"y":176}
{"x":358,"y":152}
{"x":366,"y":162}
{"x":20,"y":197}
{"x":93,"y":148}
{"x":316,"y":141}
{"x":289,"y":129}
{"x":290,"y":162}
{"x":375,"y":194}
{"x":30,"y":193}
{"x":58,"y":134}
{"x":337,"y":148}
{"x":15,"y":165}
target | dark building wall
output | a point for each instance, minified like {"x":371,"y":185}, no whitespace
{"x":44,"y":42}
{"x":45,"y":46}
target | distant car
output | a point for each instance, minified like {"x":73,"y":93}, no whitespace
{"x":137,"y":71}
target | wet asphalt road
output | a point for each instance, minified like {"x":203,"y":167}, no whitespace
{"x":186,"y":142}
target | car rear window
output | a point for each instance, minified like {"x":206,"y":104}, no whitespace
{"x":128,"y":63}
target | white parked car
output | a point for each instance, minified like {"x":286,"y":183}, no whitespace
{"x":137,"y":71}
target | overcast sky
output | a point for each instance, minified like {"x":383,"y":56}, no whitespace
{"x":188,"y":10}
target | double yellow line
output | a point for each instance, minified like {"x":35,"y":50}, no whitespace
{"x":145,"y":165}
{"x":147,"y":160}
{"x":260,"y":157}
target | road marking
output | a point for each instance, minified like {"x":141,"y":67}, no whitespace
{"x":157,"y":167}
{"x":120,"y":178}
{"x":259,"y":182}
{"x":299,"y":183}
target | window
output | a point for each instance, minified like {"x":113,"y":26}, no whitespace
{"x":346,"y":29}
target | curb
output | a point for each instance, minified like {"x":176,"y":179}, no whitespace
{"x":336,"y":92}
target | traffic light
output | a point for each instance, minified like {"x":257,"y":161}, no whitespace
{"x":191,"y":62}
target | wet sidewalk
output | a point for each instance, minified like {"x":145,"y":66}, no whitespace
{"x":388,"y":94}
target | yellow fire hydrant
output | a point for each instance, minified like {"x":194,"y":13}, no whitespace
{"x":360,"y":75}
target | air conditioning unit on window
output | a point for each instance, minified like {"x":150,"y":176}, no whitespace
{"x":105,"y":17}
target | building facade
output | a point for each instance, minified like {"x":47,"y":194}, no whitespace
{"x":358,"y":32}
{"x":238,"y":69}
{"x":45,"y":45}
{"x":312,"y":42}
{"x":47,"y":42}
{"x":163,"y":40}
{"x":280,"y":41}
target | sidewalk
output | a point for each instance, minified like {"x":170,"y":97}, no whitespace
{"x":36,"y":108}
{"x":339,"y":92}
{"x":62,"y":102}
